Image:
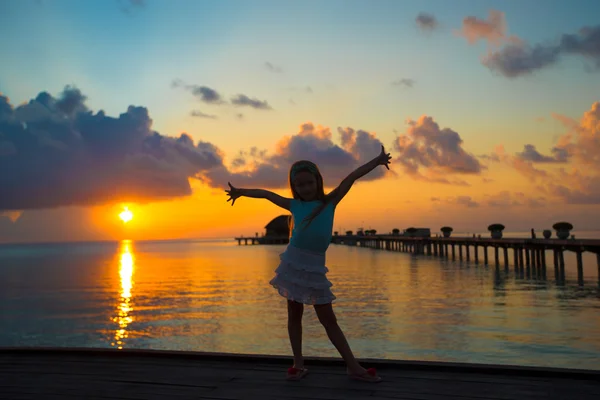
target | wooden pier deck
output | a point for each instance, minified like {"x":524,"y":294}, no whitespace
{"x":139,"y":374}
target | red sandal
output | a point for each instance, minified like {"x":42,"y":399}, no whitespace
{"x":369,"y":376}
{"x":295,"y":374}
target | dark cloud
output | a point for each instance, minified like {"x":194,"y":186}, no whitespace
{"x":203,"y":93}
{"x":56,"y":152}
{"x":200,"y":114}
{"x":519,"y":58}
{"x":211,"y":96}
{"x":530,"y":153}
{"x":426,"y":22}
{"x":437,"y":152}
{"x":243,"y":100}
{"x":584,"y":43}
{"x":404,"y":82}
{"x":273,"y":68}
{"x":312,"y":143}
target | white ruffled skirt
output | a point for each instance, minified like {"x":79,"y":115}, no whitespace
{"x":301,"y":277}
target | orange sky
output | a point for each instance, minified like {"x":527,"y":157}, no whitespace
{"x":480,"y":128}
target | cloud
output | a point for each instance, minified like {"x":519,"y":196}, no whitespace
{"x":576,"y":187}
{"x":273,"y":68}
{"x":426,"y":22}
{"x":202,"y":93}
{"x":243,"y":100}
{"x":507,"y":199}
{"x":200,"y":114}
{"x":243,"y":157}
{"x":12,"y":216}
{"x":404,"y":82}
{"x":520,"y":58}
{"x":530,"y":153}
{"x":493,"y":30}
{"x":580,"y":184}
{"x":503,"y":199}
{"x":578,"y":150}
{"x":523,"y":166}
{"x":582,"y":141}
{"x":438,"y":152}
{"x":56,"y":152}
{"x":314,"y":143}
{"x":211,"y":96}
{"x":130,"y":6}
{"x":466,"y":201}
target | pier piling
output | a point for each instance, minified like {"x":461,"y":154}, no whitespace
{"x":529,"y":255}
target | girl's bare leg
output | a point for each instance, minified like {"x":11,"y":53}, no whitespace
{"x":295,"y":311}
{"x":334,"y":332}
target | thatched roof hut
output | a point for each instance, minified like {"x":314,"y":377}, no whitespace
{"x":279,"y":226}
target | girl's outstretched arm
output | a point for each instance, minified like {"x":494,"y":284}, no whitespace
{"x":274,"y":198}
{"x":338,"y":193}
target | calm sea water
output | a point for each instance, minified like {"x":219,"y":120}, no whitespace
{"x":215,"y":296}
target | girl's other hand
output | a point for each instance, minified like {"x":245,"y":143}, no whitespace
{"x":233,"y":193}
{"x":384,"y":158}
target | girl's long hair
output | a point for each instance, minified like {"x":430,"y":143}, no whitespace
{"x":310,"y":167}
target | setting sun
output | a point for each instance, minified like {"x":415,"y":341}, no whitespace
{"x":126,"y":215}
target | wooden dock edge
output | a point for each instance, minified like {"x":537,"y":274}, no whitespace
{"x":494,"y":369}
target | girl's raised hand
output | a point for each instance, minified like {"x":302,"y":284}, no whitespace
{"x":233,"y":193}
{"x":384,"y":158}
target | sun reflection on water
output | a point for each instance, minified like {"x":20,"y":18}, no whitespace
{"x":123,"y":318}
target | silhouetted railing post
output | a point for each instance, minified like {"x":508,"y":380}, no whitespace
{"x":579,"y":267}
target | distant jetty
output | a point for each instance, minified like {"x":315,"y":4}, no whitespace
{"x":276,"y":232}
{"x":528,"y":254}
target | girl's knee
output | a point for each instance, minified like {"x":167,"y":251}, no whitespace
{"x":295,"y":310}
{"x":326,"y":315}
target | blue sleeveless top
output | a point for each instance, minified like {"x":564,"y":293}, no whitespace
{"x":317,"y":236}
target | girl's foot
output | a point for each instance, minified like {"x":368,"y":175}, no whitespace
{"x":295,"y":374}
{"x":365,"y":375}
